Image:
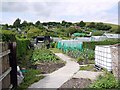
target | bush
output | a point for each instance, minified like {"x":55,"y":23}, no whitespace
{"x":7,"y":35}
{"x":80,"y":60}
{"x":107,"y":82}
{"x":26,"y":62}
{"x":91,"y":45}
{"x":22,"y":48}
{"x":53,"y":45}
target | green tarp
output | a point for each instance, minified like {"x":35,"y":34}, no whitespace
{"x":69,"y":45}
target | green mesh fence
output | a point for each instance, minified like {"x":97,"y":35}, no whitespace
{"x":66,"y":45}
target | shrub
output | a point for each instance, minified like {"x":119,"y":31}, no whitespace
{"x":80,"y":60}
{"x":26,"y":63}
{"x":22,"y":47}
{"x":7,"y":35}
{"x":107,"y":82}
{"x":53,"y":45}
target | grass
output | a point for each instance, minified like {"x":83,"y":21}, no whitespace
{"x":55,"y":50}
{"x":98,"y":33}
{"x":88,"y":67}
{"x":113,"y":29}
{"x":30,"y":78}
{"x":114,"y":26}
{"x":91,"y":61}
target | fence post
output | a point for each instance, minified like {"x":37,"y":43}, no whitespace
{"x":13,"y":63}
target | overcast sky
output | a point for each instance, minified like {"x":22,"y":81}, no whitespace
{"x":58,"y":10}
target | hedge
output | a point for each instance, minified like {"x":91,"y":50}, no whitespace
{"x":22,"y":48}
{"x":7,"y":35}
{"x":91,"y":45}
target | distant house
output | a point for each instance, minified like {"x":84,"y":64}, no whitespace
{"x":109,"y":35}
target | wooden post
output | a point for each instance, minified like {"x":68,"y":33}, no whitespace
{"x":13,"y":64}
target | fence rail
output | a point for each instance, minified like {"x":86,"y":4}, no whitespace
{"x":8,"y":65}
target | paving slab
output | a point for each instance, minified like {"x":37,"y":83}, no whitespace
{"x":87,"y":74}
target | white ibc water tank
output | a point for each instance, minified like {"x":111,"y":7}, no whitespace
{"x":103,"y":57}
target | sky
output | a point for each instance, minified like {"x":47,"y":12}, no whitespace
{"x":58,"y":10}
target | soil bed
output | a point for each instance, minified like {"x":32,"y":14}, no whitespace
{"x":76,"y":83}
{"x":49,"y":67}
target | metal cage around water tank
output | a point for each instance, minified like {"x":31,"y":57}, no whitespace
{"x":103,"y":57}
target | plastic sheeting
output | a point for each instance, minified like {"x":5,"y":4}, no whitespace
{"x":103,"y":57}
{"x":69,"y":45}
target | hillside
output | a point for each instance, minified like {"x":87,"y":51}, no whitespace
{"x":114,"y":26}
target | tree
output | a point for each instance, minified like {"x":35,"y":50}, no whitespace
{"x":30,"y":24}
{"x":81,"y":24}
{"x":5,"y":27}
{"x":102,"y":26}
{"x":37,"y":23}
{"x":63,"y":23}
{"x":16,"y":24}
{"x":66,"y":24}
{"x":92,"y":25}
{"x":24,"y":24}
{"x":71,"y":30}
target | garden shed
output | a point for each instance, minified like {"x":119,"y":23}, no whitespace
{"x":42,"y":39}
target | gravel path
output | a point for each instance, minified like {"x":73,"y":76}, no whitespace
{"x":59,"y":77}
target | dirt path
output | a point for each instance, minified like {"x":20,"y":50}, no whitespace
{"x":59,"y":77}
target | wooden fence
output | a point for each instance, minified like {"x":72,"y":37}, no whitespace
{"x":8,"y":65}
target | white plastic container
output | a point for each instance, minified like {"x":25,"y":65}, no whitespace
{"x":103,"y":57}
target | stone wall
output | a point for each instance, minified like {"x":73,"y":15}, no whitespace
{"x":115,"y":51}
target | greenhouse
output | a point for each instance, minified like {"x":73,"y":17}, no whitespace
{"x":79,"y":34}
{"x":69,"y":45}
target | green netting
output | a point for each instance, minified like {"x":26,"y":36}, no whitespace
{"x":78,"y":34}
{"x":66,"y":45}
